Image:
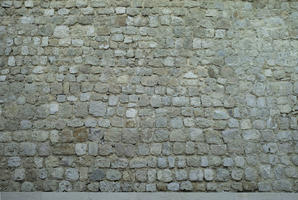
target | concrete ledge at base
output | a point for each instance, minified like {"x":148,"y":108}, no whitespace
{"x":145,"y":196}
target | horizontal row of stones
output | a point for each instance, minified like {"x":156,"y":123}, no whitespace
{"x":272,"y":162}
{"x":128,"y":150}
{"x":126,"y":186}
{"x":30,"y":4}
{"x":133,"y":106}
{"x":152,"y":175}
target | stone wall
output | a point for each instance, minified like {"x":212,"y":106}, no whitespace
{"x":159,"y":95}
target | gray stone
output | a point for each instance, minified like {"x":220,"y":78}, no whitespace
{"x":61,"y":31}
{"x":28,"y":149}
{"x":27,"y":187}
{"x":220,"y":114}
{"x":173,"y":186}
{"x":107,"y":186}
{"x":164,"y":175}
{"x":209,"y":174}
{"x":81,"y":149}
{"x":19,"y":174}
{"x":14,"y":161}
{"x":176,"y":123}
{"x":282,"y":185}
{"x":155,"y":101}
{"x":97,"y":175}
{"x":71,"y":174}
{"x":113,"y":175}
{"x":196,"y":134}
{"x":237,"y":174}
{"x":93,"y":148}
{"x":186,"y":186}
{"x":196,"y":175}
{"x":180,"y":101}
{"x":251,"y":174}
{"x":97,"y":108}
{"x":65,"y":186}
{"x":181,"y":174}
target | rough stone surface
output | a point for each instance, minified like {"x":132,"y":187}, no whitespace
{"x":145,"y":96}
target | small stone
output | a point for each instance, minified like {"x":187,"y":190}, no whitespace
{"x":237,"y":174}
{"x":61,"y":31}
{"x":264,"y":186}
{"x":169,"y":62}
{"x":26,"y":20}
{"x":54,"y":107}
{"x":176,"y":123}
{"x":196,"y":175}
{"x":113,"y":175}
{"x":6,"y":4}
{"x":282,"y":185}
{"x":97,"y":175}
{"x":93,"y":148}
{"x":155,"y":101}
{"x":117,"y":37}
{"x":19,"y":174}
{"x":131,"y":113}
{"x":97,"y":108}
{"x":65,"y":186}
{"x":180,"y":101}
{"x":181,"y":175}
{"x":220,"y":114}
{"x":105,"y":123}
{"x":28,"y":149}
{"x":92,"y":60}
{"x":107,"y":186}
{"x":71,"y":174}
{"x":90,"y":122}
{"x":113,"y":100}
{"x":11,"y":61}
{"x":14,"y":161}
{"x":222,"y":174}
{"x":81,"y":149}
{"x":209,"y":174}
{"x":27,"y":187}
{"x":245,"y":124}
{"x":197,"y":43}
{"x":196,"y":134}
{"x":251,"y":174}
{"x":251,"y":135}
{"x":228,"y":162}
{"x":173,"y":186}
{"x":186,"y":186}
{"x":29,"y":4}
{"x":151,"y":187}
{"x":164,"y":175}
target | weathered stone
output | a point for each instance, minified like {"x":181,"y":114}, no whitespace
{"x":14,"y":161}
{"x":61,"y":31}
{"x":97,"y":175}
{"x":164,"y":175}
{"x":71,"y":174}
{"x":27,"y":187}
{"x":173,"y":186}
{"x":220,"y":114}
{"x":19,"y":174}
{"x":113,"y":175}
{"x":97,"y":108}
{"x":81,"y":149}
{"x":65,"y":186}
{"x":28,"y":149}
{"x":209,"y":174}
{"x":196,"y":175}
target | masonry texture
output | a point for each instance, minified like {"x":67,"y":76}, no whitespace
{"x":159,"y":95}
